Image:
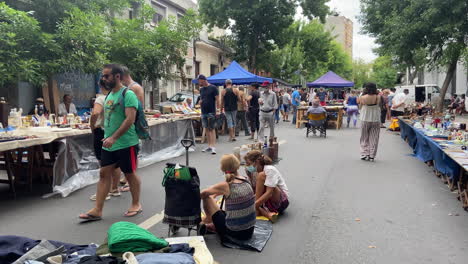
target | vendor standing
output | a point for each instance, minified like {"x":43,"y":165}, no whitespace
{"x":67,"y":107}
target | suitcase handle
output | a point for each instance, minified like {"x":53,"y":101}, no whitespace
{"x":186,"y":143}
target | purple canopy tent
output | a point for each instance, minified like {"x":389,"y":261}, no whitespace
{"x":331,"y":80}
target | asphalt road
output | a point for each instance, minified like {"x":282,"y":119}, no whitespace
{"x":342,"y":210}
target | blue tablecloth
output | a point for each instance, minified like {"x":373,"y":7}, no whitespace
{"x":426,"y":149}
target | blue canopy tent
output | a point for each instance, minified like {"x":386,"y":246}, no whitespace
{"x":330,"y":80}
{"x":237,"y":74}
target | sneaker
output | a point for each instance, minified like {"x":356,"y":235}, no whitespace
{"x":93,"y":197}
{"x":213,"y":151}
{"x":206,"y":149}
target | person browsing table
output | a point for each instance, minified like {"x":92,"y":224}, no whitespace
{"x":268,"y":104}
{"x":209,"y":95}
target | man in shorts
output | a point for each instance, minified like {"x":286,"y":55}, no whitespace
{"x":209,"y":103}
{"x":120,"y":143}
{"x":229,"y":99}
{"x":128,"y":81}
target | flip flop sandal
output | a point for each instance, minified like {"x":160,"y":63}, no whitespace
{"x":93,"y":197}
{"x":115,"y":193}
{"x":125,"y":188}
{"x":134,"y":213}
{"x":89,"y":218}
{"x":274,"y":218}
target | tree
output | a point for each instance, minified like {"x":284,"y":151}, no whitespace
{"x":403,"y":28}
{"x":361,"y":72}
{"x":82,"y":40}
{"x":257,"y":24}
{"x":339,"y":61}
{"x":51,"y":12}
{"x":152,"y":52}
{"x":309,"y":51}
{"x":286,"y":63}
{"x":20,"y":36}
{"x":384,"y":72}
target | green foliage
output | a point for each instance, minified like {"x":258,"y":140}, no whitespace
{"x":85,"y":37}
{"x":257,"y":25}
{"x":20,"y":36}
{"x":309,"y":52}
{"x":51,"y":12}
{"x":339,"y":61}
{"x":82,"y":38}
{"x":286,"y":63}
{"x":384,"y":72}
{"x":152,"y":52}
{"x":407,"y":28}
{"x":315,"y":9}
{"x":361,"y":72}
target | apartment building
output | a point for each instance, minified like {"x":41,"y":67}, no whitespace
{"x":204,"y":56}
{"x":341,"y":29}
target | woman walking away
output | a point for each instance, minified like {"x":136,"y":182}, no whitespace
{"x":352,"y":107}
{"x":370,"y":121}
{"x":238,"y":221}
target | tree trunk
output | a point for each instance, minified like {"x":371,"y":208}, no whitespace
{"x":448,"y":79}
{"x":156,"y":95}
{"x":413,"y":76}
{"x":253,"y":56}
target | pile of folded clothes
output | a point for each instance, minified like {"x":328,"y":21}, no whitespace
{"x":125,"y":243}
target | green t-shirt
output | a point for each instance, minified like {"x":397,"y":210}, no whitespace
{"x":114,"y":115}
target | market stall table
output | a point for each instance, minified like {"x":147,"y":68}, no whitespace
{"x":72,"y":164}
{"x":336,"y":120}
{"x":449,"y":160}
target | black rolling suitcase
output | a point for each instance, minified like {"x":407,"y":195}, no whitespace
{"x":182,"y":203}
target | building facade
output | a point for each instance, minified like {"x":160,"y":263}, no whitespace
{"x":204,"y":56}
{"x":341,"y":29}
{"x":459,"y":84}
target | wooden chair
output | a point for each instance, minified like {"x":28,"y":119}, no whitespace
{"x":317,"y":122}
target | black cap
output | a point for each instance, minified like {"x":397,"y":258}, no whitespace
{"x":201,"y":77}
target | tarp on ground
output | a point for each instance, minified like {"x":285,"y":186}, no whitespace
{"x":331,"y":80}
{"x":237,"y":74}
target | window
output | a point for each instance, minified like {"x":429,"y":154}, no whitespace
{"x":179,"y":16}
{"x":160,"y":13}
{"x":188,"y":70}
{"x":213,"y":69}
{"x":197,"y":68}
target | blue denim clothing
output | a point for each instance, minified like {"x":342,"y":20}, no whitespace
{"x":208,"y":120}
{"x":231,"y":118}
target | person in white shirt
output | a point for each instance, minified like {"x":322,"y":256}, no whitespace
{"x":312,"y":96}
{"x":271,"y":194}
{"x":67,"y":107}
{"x":399,"y":103}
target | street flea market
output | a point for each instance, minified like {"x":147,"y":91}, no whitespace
{"x":58,"y":150}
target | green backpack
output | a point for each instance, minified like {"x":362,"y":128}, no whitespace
{"x":141,"y":125}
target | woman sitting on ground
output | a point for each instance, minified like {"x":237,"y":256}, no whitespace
{"x":250,"y":168}
{"x":238,"y":221}
{"x":271,"y":196}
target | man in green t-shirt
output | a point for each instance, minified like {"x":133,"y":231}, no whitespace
{"x":120,"y":143}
